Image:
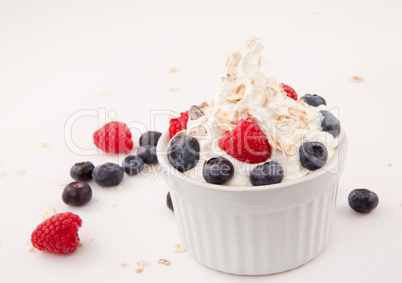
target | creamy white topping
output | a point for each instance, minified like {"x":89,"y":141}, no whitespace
{"x":245,"y":91}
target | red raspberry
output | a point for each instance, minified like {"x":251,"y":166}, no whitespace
{"x":58,"y":234}
{"x":178,"y":124}
{"x":114,"y":137}
{"x":290,"y":92}
{"x":247,"y":142}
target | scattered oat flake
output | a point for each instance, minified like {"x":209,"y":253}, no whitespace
{"x":119,"y":186}
{"x":153,"y":170}
{"x":80,"y":245}
{"x":62,"y":186}
{"x":316,"y":13}
{"x":139,"y":270}
{"x":48,"y":212}
{"x":390,"y":165}
{"x":357,"y":79}
{"x":44,"y":145}
{"x":105,"y":93}
{"x":123,"y":264}
{"x":178,"y":248}
{"x":2,"y":173}
{"x":164,"y":261}
{"x":174,"y":88}
{"x":32,"y":249}
{"x":20,"y":172}
{"x":91,"y":240}
{"x":142,"y":263}
{"x":172,"y":69}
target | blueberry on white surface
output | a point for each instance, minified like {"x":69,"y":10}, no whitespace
{"x":363,"y":200}
{"x":150,"y":138}
{"x":108,"y":174}
{"x":269,"y":173}
{"x":313,"y":155}
{"x":133,"y":164}
{"x":313,"y":100}
{"x":77,"y":193}
{"x":82,"y":171}
{"x":148,"y":154}
{"x":183,"y":152}
{"x":330,"y":123}
{"x":218,"y":170}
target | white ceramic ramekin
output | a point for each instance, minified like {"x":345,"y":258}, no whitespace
{"x":255,"y":230}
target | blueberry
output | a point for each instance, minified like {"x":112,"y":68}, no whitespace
{"x":313,"y":100}
{"x":313,"y":155}
{"x":108,"y":174}
{"x":148,"y":154}
{"x":169,"y":202}
{"x":183,"y":152}
{"x":269,"y":173}
{"x":133,"y":164}
{"x":363,"y":200}
{"x":150,"y":138}
{"x":77,"y":193}
{"x":218,"y":170}
{"x":330,"y":123}
{"x":82,"y":171}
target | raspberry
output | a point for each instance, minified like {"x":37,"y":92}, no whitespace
{"x":178,"y":124}
{"x":290,"y":92}
{"x":247,"y":142}
{"x":58,"y":234}
{"x":114,"y":137}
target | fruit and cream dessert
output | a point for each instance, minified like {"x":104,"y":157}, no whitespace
{"x":255,"y":131}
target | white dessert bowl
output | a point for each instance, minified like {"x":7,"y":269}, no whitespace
{"x":254,"y":230}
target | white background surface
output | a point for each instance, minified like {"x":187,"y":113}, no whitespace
{"x":56,"y":57}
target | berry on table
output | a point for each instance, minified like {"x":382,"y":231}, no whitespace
{"x":148,"y":154}
{"x":82,"y":171}
{"x":330,"y":123}
{"x":313,"y":155}
{"x":178,"y":124}
{"x":169,"y":202}
{"x":313,"y":100}
{"x":133,"y":165}
{"x":108,"y":174}
{"x":114,"y":137}
{"x":77,"y":193}
{"x":58,"y":234}
{"x":268,"y":173}
{"x":290,"y":92}
{"x":218,"y":170}
{"x":247,"y":142}
{"x":183,"y":152}
{"x":150,"y":138}
{"x":363,"y":200}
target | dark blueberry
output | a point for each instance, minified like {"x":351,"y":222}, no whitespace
{"x":133,"y":164}
{"x":313,"y":155}
{"x":82,"y":171}
{"x":108,"y":174}
{"x":148,"y":154}
{"x":150,"y":138}
{"x":169,"y":202}
{"x":269,"y":173}
{"x":77,"y":193}
{"x":330,"y":123}
{"x":218,"y":170}
{"x":183,"y":152}
{"x":313,"y":100}
{"x":363,"y":200}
